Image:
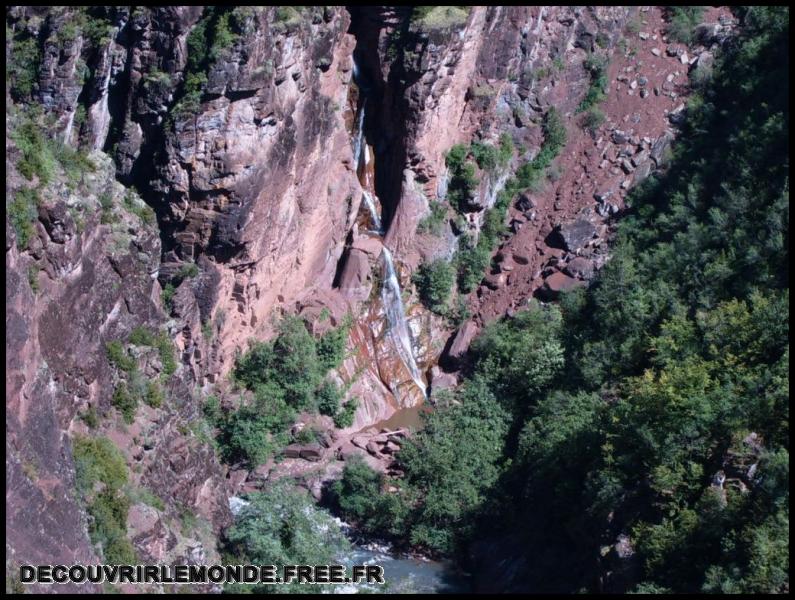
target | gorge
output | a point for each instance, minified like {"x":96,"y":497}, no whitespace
{"x":499,"y":289}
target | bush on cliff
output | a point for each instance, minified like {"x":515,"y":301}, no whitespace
{"x":287,"y":375}
{"x":434,"y":281}
{"x":99,"y":461}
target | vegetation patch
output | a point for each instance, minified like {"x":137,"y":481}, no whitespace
{"x":682,"y":20}
{"x":596,"y":66}
{"x":676,"y":375}
{"x":434,"y":281}
{"x":285,"y":376}
{"x":282,"y":526}
{"x":433,"y":223}
{"x":473,"y":256}
{"x":99,"y":462}
{"x":431,"y":18}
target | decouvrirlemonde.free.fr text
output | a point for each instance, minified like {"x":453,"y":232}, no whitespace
{"x":202,"y":574}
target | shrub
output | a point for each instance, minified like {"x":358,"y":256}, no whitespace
{"x":286,"y":375}
{"x":283,"y":526}
{"x":75,"y":163}
{"x":139,"y":208}
{"x":167,"y":295}
{"x":38,"y":158}
{"x":471,"y":262}
{"x":485,"y":155}
{"x":344,"y":416}
{"x":97,"y":29}
{"x":33,"y":278}
{"x":682,"y":20}
{"x":141,"y":336}
{"x":154,"y":394}
{"x":593,"y":119}
{"x":463,"y":181}
{"x":212,"y":410}
{"x":90,"y":418}
{"x":429,"y":18}
{"x":433,"y":222}
{"x":331,"y":346}
{"x":165,"y":349}
{"x":358,"y":492}
{"x":329,"y":396}
{"x":189,"y":270}
{"x":118,"y":356}
{"x":97,"y":459}
{"x":596,"y":66}
{"x":145,"y":496}
{"x":223,"y":37}
{"x":22,"y":213}
{"x":108,"y":526}
{"x":125,"y":402}
{"x":505,"y":149}
{"x":23,"y":65}
{"x":434,"y":282}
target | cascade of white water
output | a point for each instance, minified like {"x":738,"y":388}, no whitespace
{"x":537,"y":32}
{"x":99,"y":113}
{"x":370,"y":204}
{"x":538,"y":22}
{"x":359,"y":141}
{"x":68,"y":131}
{"x":398,"y":327}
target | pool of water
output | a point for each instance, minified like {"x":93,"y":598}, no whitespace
{"x":410,"y":418}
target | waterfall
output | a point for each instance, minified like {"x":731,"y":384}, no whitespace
{"x":538,"y":23}
{"x":396,"y":315}
{"x":68,"y":131}
{"x":537,"y":32}
{"x":99,"y":114}
{"x":359,"y":142}
{"x":368,"y":201}
{"x":355,"y":70}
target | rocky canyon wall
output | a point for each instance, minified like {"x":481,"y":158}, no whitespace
{"x":235,"y":131}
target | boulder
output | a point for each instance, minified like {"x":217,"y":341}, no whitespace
{"x":525,"y":202}
{"x":710,"y":33}
{"x":579,"y":267}
{"x":441,"y":381}
{"x":360,"y":441}
{"x":619,"y":137}
{"x":312,"y":452}
{"x":460,"y":343}
{"x":556,"y":283}
{"x":353,"y":282}
{"x":641,"y":173}
{"x":292,"y":451}
{"x":583,"y":38}
{"x":494,"y":282}
{"x":391,"y":448}
{"x":572,"y":236}
{"x":57,"y":222}
{"x":658,"y":148}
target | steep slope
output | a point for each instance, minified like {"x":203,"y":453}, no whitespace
{"x":240,"y":159}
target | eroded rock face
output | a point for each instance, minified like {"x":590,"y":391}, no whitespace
{"x":91,"y":285}
{"x":256,"y":185}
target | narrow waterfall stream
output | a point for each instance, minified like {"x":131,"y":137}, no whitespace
{"x":398,"y":327}
{"x":391,"y":294}
{"x":403,"y":573}
{"x":368,"y":200}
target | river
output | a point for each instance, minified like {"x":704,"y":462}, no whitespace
{"x":404,"y":574}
